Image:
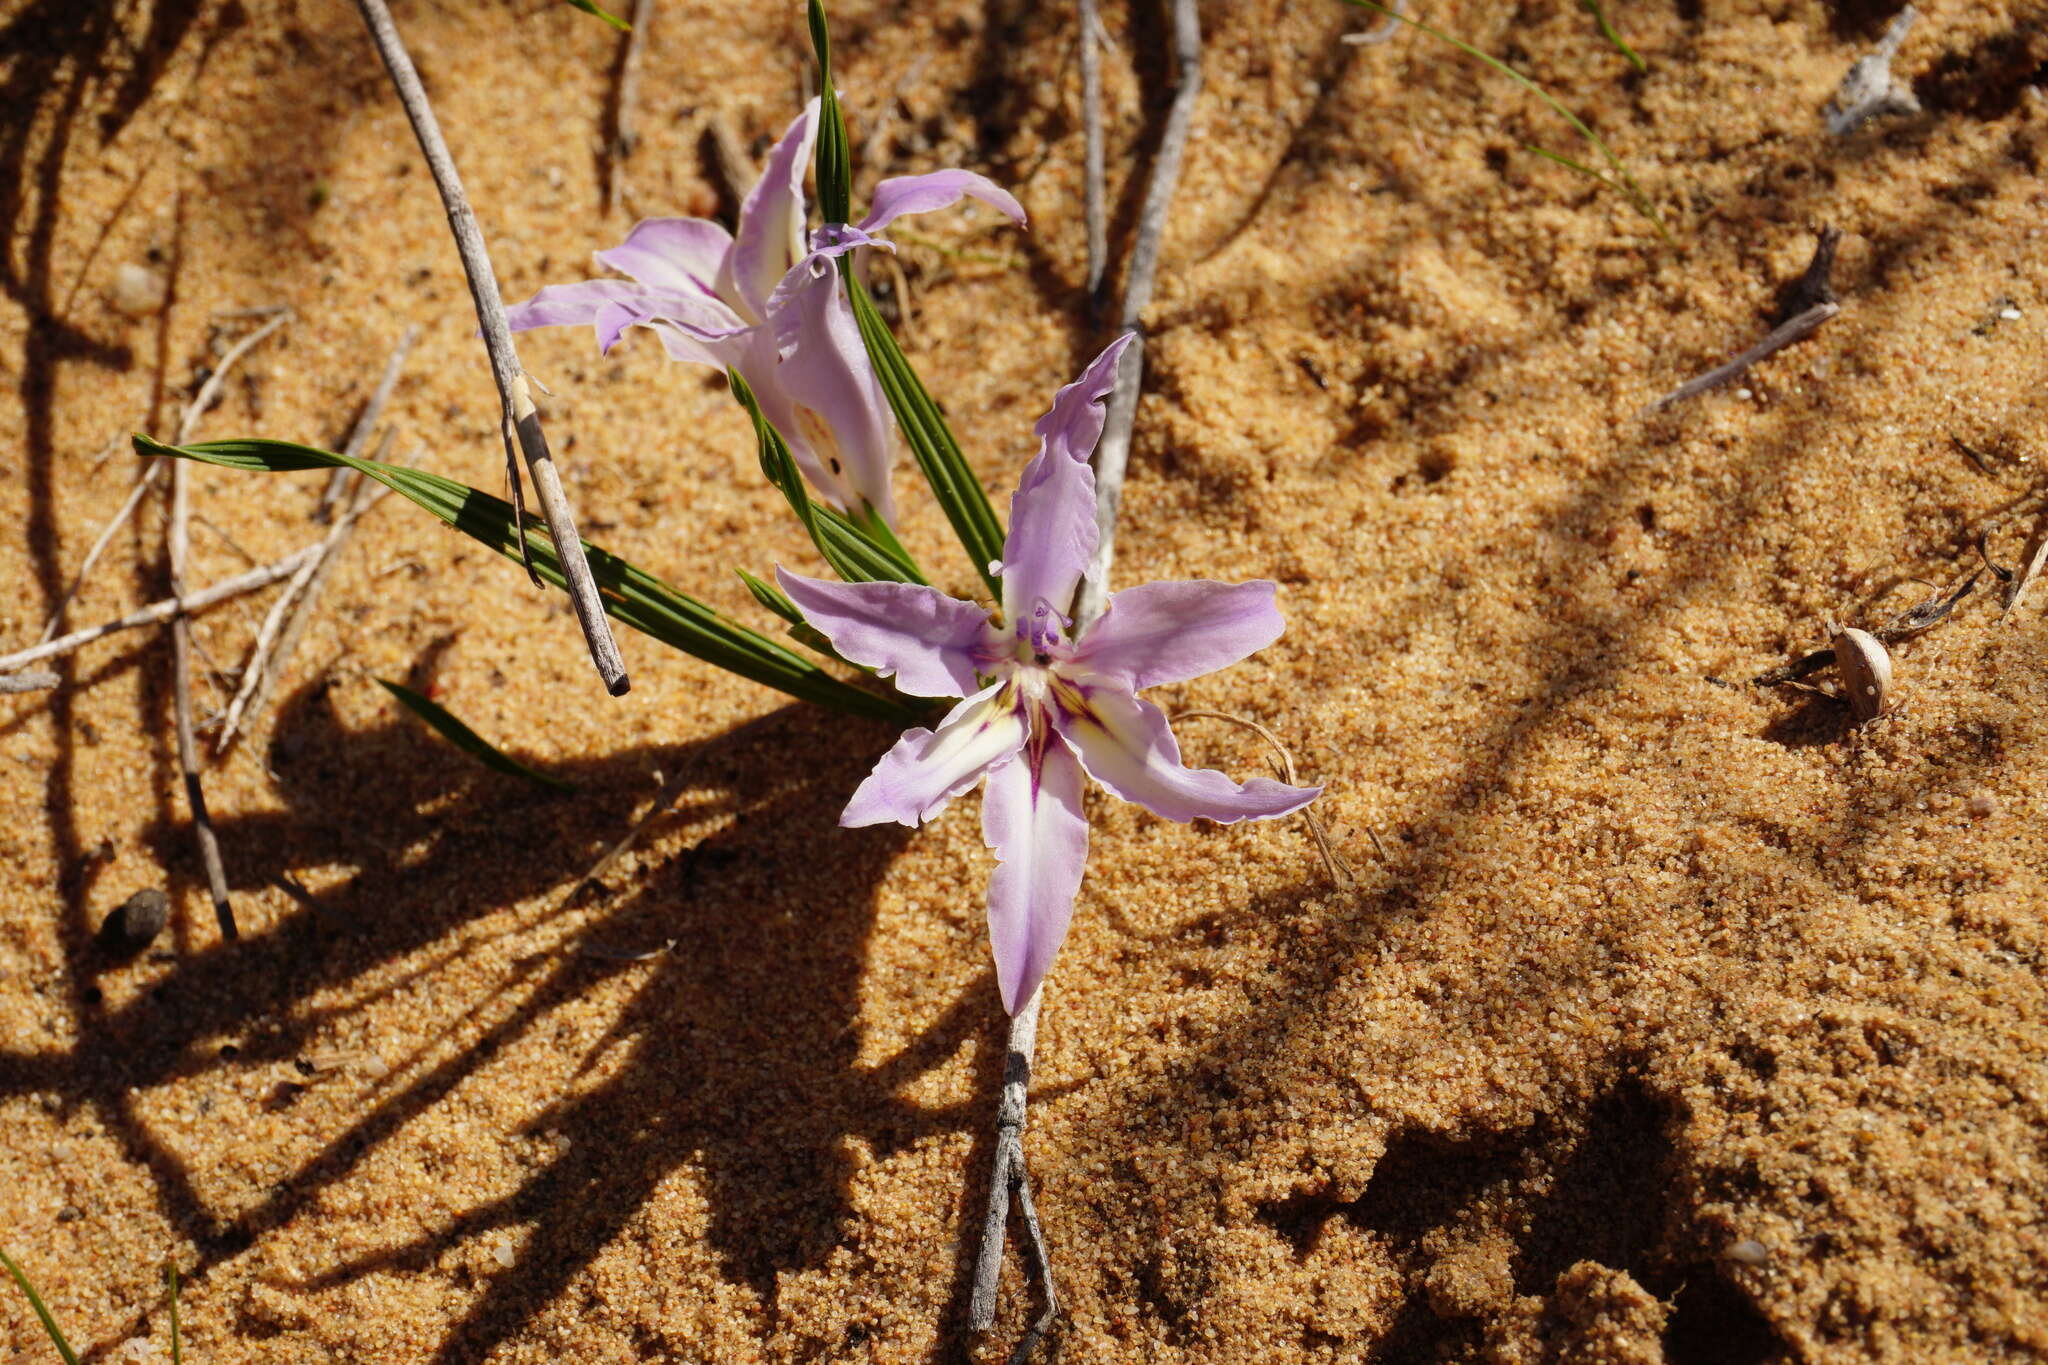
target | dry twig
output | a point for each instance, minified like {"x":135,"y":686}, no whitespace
{"x":1010,"y":1178}
{"x":517,"y":413}
{"x":1869,"y":91}
{"x":179,"y":540}
{"x":12,"y":684}
{"x":201,"y":401}
{"x":373,"y":413}
{"x":625,"y":102}
{"x":1809,"y":303}
{"x":1384,"y":32}
{"x":1091,"y":120}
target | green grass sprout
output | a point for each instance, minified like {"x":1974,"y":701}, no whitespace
{"x":1627,"y":184}
{"x":1608,"y":31}
{"x":35,"y":1301}
{"x":614,"y":20}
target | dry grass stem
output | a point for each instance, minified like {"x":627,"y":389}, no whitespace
{"x":1795,"y":328}
{"x":1340,"y":871}
{"x":1095,"y":196}
{"x":372,"y":414}
{"x":1384,"y":32}
{"x":625,"y":103}
{"x":13,"y":684}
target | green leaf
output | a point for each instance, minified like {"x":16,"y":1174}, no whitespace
{"x":631,"y":595}
{"x":1629,"y":187}
{"x":835,"y":160}
{"x":35,"y":1301}
{"x":847,"y":546}
{"x":445,"y":723}
{"x":171,"y":1284}
{"x":931,"y":440}
{"x":1607,"y":31}
{"x":614,"y":20}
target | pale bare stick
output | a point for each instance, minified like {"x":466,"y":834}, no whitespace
{"x":1091,"y":122}
{"x":373,"y":413}
{"x":626,"y":100}
{"x":1011,"y":1175}
{"x":1113,"y":451}
{"x":179,"y":539}
{"x":2036,"y":556}
{"x":13,"y":684}
{"x":286,"y":620}
{"x":201,"y":401}
{"x":156,"y":613}
{"x":518,"y":415}
{"x":1795,"y":328}
{"x":1333,"y":861}
{"x":1382,"y":33}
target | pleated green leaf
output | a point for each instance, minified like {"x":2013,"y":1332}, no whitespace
{"x":631,"y":595}
{"x":800,"y":630}
{"x":846,"y":546}
{"x":835,"y":160}
{"x":450,"y":727}
{"x":931,"y":441}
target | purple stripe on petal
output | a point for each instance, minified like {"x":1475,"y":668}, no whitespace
{"x":676,"y":255}
{"x":904,"y":194}
{"x":929,"y":642}
{"x":1031,"y":816}
{"x":770,"y":237}
{"x":928,"y":768}
{"x":1160,"y":633}
{"x":1126,"y":745}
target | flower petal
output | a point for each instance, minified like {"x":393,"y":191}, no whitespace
{"x":930,"y":643}
{"x":1126,"y":745}
{"x":928,"y":768}
{"x":678,"y":255}
{"x":1160,"y":633}
{"x":566,"y":305}
{"x":1052,"y":515}
{"x":839,"y":420}
{"x":904,"y":194}
{"x":1031,"y":816}
{"x":771,"y":227}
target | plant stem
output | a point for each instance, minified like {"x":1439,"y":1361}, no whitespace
{"x":515,"y":399}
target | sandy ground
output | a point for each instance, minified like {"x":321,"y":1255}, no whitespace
{"x":1679,"y":1020}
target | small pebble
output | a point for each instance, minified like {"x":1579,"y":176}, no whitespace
{"x":1748,"y":1251}
{"x":1983,"y":805}
{"x":140,"y":918}
{"x":1744,"y":394}
{"x":139,"y":291}
{"x":505,"y":1256}
{"x":2009,"y":314}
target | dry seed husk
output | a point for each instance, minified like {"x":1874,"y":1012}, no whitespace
{"x":1866,"y":669}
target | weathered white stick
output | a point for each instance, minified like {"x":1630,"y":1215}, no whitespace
{"x":515,"y":398}
{"x":156,"y":613}
{"x":201,"y":401}
{"x":1091,"y":122}
{"x":1011,"y":1177}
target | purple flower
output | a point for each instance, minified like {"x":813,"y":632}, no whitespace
{"x":1044,"y":704}
{"x":762,"y":303}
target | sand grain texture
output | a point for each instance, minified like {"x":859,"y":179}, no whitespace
{"x":1658,"y":963}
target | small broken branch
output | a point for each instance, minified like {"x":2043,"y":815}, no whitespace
{"x":1095,"y":198}
{"x":518,"y":416}
{"x":180,"y":543}
{"x":1869,"y":91}
{"x":201,"y":401}
{"x":1796,"y":328}
{"x":156,"y":613}
{"x":373,"y":413}
{"x":625,"y":102}
{"x":13,"y":684}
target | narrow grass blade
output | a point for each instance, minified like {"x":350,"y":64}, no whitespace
{"x":931,"y":440}
{"x":835,"y":160}
{"x":35,"y":1301}
{"x":631,"y":595}
{"x":845,"y":544}
{"x":1629,"y":187}
{"x":1607,"y":31}
{"x":446,"y":724}
{"x":177,"y":1340}
{"x":614,"y":20}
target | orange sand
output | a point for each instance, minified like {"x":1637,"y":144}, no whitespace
{"x":1657,"y":964}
